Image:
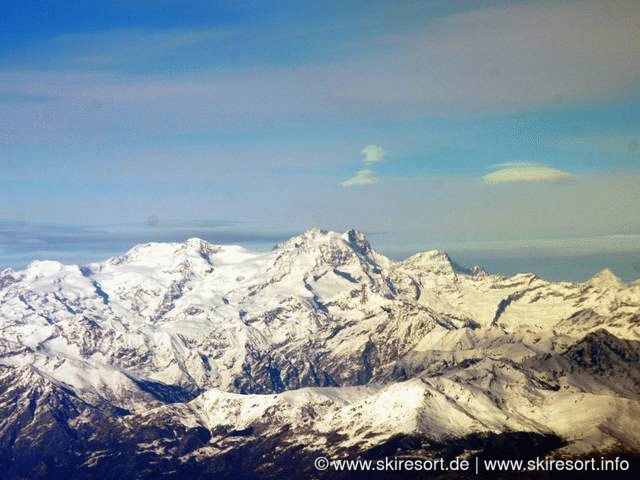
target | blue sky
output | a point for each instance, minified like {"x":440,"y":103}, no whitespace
{"x":508,"y":129}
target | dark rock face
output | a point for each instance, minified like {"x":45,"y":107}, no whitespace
{"x":601,"y":352}
{"x":41,"y":432}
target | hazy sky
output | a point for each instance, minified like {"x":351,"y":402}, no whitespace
{"x":472,"y":126}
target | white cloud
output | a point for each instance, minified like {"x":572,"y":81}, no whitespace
{"x":522,"y":172}
{"x":362,"y":177}
{"x":373,"y":154}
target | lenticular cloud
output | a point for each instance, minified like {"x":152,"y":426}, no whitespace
{"x":515,"y":173}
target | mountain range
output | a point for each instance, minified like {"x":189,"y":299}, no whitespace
{"x":194,"y":360}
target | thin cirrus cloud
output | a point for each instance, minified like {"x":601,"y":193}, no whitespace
{"x":499,"y":59}
{"x":134,"y":48}
{"x":526,"y":173}
{"x":362,"y":177}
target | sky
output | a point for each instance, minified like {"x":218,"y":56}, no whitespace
{"x":506,"y":133}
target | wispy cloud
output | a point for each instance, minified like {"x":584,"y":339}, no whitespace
{"x":362,"y":177}
{"x":511,"y":58}
{"x":373,"y":154}
{"x":526,"y":173}
{"x":135,"y":49}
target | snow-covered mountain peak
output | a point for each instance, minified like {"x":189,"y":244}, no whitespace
{"x":431,"y":261}
{"x":194,"y":251}
{"x":200,"y":247}
{"x":309,"y":237}
{"x":312,"y":239}
{"x":317,"y":249}
{"x":315,"y":237}
{"x":478,"y":271}
{"x":217,"y":254}
{"x":50,"y":271}
{"x":606,"y":279}
{"x":358,"y":241}
{"x":147,"y":254}
{"x":45,"y":267}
